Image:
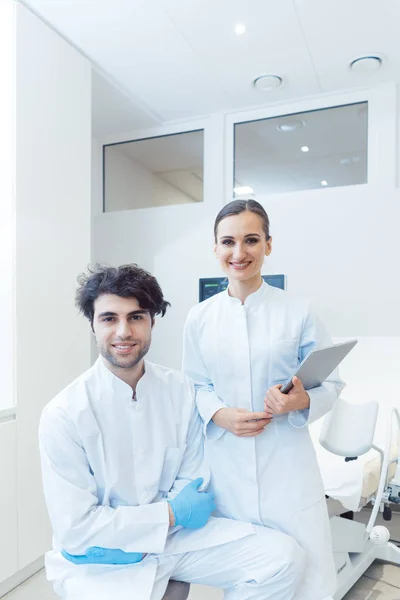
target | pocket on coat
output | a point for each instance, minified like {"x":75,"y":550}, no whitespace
{"x":285,"y":359}
{"x":172,"y":463}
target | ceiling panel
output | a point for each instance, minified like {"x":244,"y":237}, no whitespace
{"x":339,"y":31}
{"x":137,"y":43}
{"x":273,"y":43}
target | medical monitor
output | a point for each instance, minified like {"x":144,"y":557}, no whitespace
{"x":213,"y":285}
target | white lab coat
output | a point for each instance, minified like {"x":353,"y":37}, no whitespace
{"x":234,"y":352}
{"x":109,"y":462}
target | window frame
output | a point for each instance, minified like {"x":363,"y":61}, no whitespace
{"x":382,"y":136}
{"x":141,"y":138}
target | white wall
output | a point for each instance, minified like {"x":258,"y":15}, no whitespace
{"x":371,"y":373}
{"x":8,"y":470}
{"x":7,"y":200}
{"x":338,"y":247}
{"x":172,"y":242}
{"x":129,"y":185}
{"x":53,"y":172}
{"x":8,"y":500}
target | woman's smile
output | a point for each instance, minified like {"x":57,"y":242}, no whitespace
{"x":240,"y":266}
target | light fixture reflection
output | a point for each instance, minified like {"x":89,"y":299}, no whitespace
{"x":240,"y":29}
{"x":244,"y":189}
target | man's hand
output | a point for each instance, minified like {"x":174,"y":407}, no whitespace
{"x":276,"y":403}
{"x":171,"y":516}
{"x":241,"y":422}
{"x":192,"y":508}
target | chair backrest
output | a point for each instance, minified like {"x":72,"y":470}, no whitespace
{"x":348,"y":430}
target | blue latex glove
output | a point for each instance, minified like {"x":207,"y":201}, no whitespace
{"x":192,"y":508}
{"x":103,"y":556}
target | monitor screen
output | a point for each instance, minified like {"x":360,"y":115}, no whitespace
{"x":212,"y":285}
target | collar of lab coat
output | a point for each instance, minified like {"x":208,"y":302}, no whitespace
{"x":252,"y":300}
{"x":116,"y":385}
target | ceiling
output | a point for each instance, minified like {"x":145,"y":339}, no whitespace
{"x":163,"y":60}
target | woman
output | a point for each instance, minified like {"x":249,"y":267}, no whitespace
{"x":239,"y":347}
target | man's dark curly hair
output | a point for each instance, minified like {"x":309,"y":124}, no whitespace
{"x":127,"y":281}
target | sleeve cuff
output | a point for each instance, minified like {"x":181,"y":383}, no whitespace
{"x":322,"y":400}
{"x":149,"y":531}
{"x":209,"y":406}
{"x":299,"y":418}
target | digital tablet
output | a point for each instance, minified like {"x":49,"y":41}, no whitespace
{"x":318,"y":365}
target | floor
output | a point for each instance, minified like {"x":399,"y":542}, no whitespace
{"x":380,"y":581}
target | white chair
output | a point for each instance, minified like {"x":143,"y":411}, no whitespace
{"x":177,"y":590}
{"x":348,"y":430}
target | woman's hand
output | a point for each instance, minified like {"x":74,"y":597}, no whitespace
{"x":241,"y":422}
{"x":276,"y":403}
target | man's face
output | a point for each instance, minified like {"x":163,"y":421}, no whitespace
{"x":122,"y":330}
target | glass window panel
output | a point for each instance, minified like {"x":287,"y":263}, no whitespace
{"x":154,"y":172}
{"x":309,"y":150}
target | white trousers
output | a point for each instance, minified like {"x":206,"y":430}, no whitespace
{"x":311,"y":529}
{"x":266,"y":565}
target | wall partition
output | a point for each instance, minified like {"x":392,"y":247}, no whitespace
{"x":325,"y":142}
{"x":325,"y":171}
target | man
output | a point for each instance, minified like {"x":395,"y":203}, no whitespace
{"x":124,"y":474}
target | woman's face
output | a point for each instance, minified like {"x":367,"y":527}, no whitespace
{"x":242,"y":245}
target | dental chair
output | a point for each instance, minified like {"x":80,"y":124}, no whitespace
{"x":177,"y":590}
{"x":348,"y":432}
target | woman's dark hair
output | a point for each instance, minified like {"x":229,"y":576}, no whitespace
{"x":127,"y":281}
{"x":238,"y":206}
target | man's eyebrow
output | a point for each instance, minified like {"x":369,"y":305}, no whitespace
{"x":109,"y":313}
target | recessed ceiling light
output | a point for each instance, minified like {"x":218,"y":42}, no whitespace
{"x":324,"y":183}
{"x":243,"y":189}
{"x":291,"y":125}
{"x":305,"y":149}
{"x":267,"y":83}
{"x":240,"y":29}
{"x":366,"y":64}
